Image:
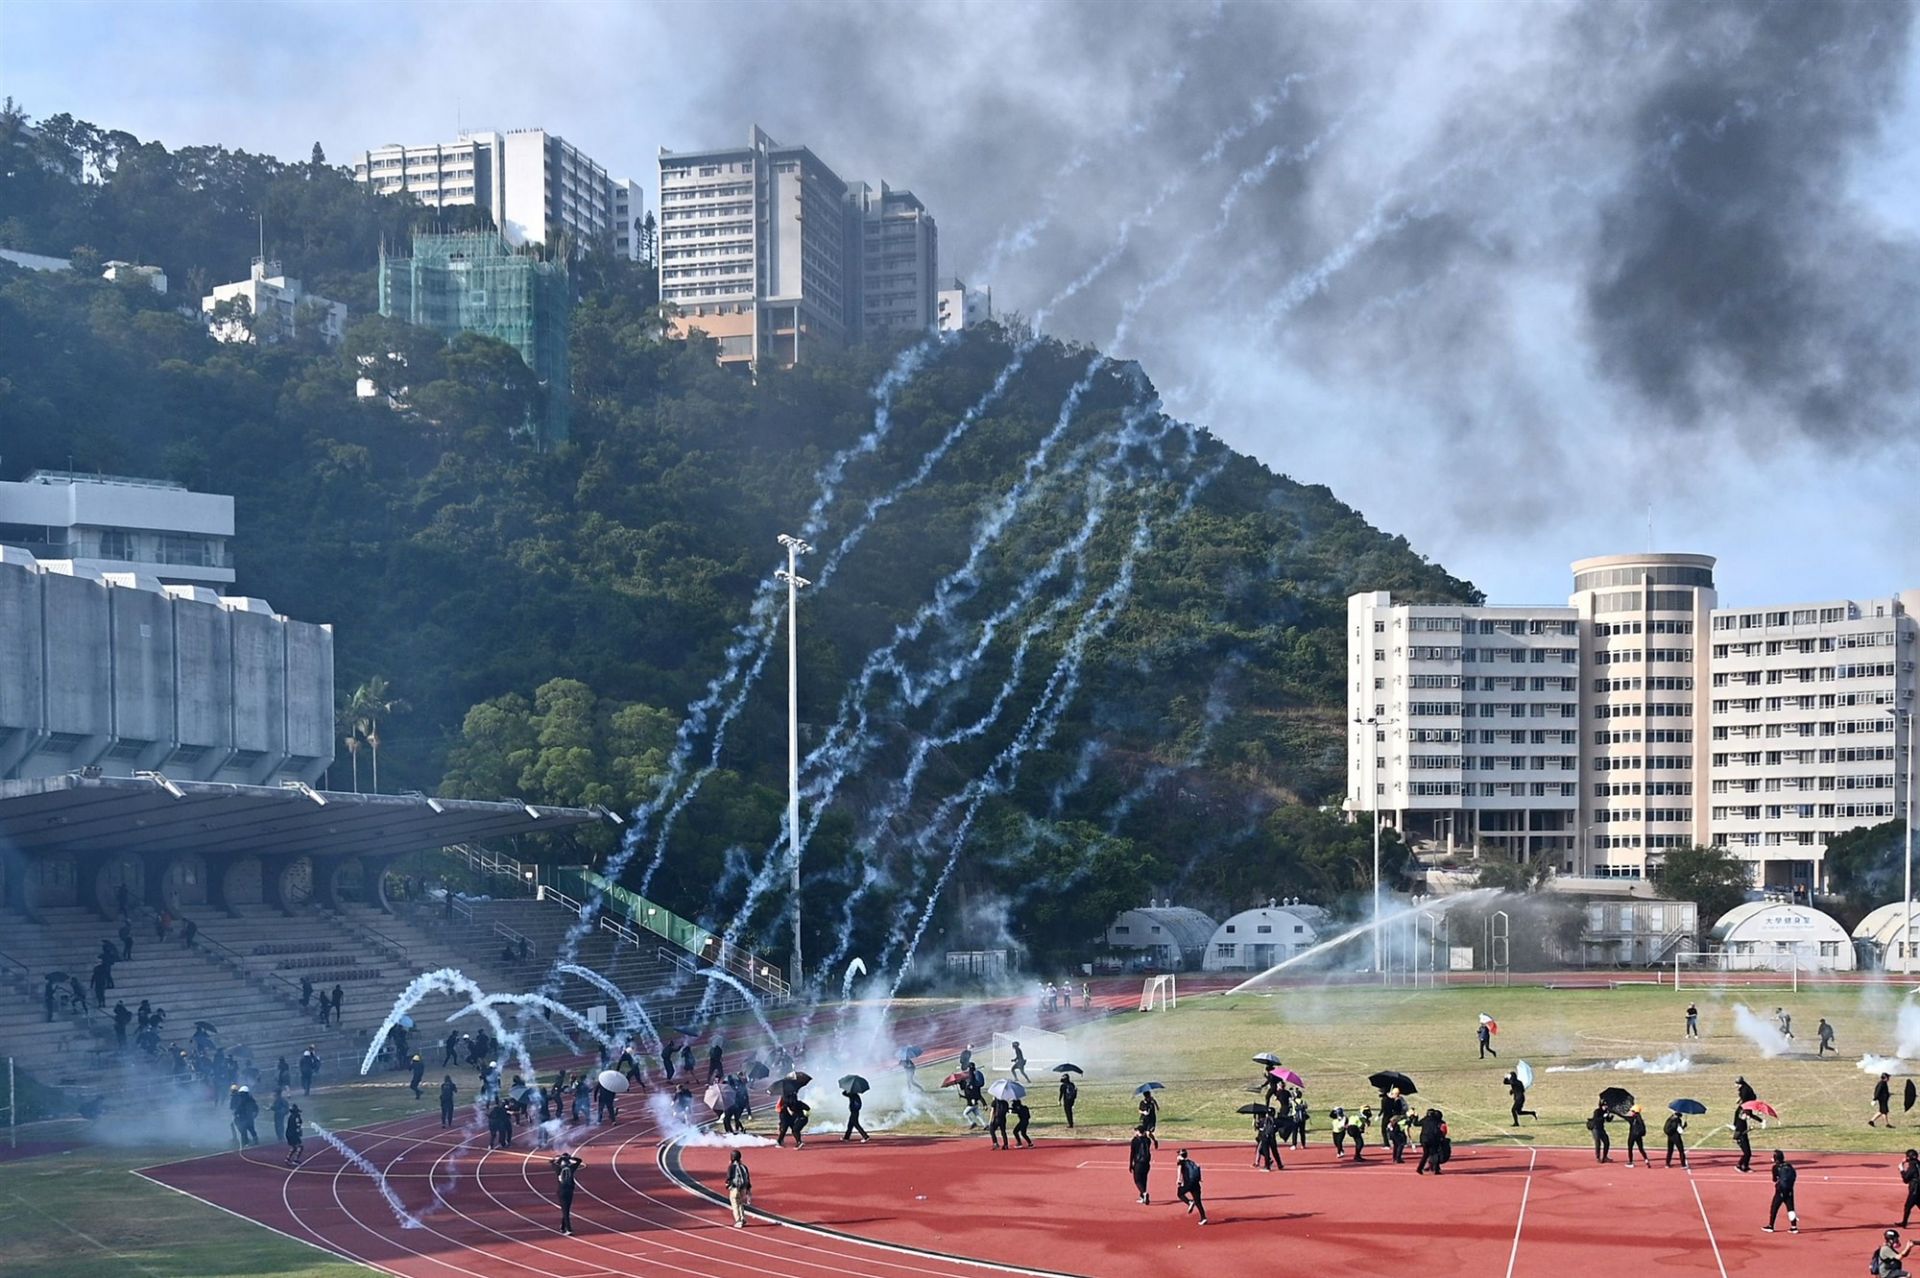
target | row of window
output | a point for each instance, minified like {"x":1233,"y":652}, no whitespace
{"x":1679,"y":816}
{"x":1652,"y":763}
{"x":1492,"y":789}
{"x":1644,"y":710}
{"x":1622,"y":656}
{"x":1620,"y":789}
{"x":1658,"y":626}
{"x":1654,"y":683}
{"x":1634,"y":736}
{"x":1802,"y":811}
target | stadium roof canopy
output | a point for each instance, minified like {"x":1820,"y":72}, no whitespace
{"x":151,"y":814}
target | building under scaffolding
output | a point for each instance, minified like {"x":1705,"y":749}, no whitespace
{"x":474,"y":282}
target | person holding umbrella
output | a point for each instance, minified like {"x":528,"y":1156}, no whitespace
{"x":997,"y":1119}
{"x":1140,"y":1160}
{"x":1021,"y":1116}
{"x":1910,"y":1173}
{"x":1636,"y":1136}
{"x":1485,"y":1034}
{"x":1740,"y":1138}
{"x":1149,"y":1111}
{"x":1745,"y":1090}
{"x":850,"y":1087}
{"x":1517,"y":1086}
{"x":565,"y":1168}
{"x":1069,"y":1093}
{"x":1189,"y":1187}
{"x":1602,"y":1140}
{"x":1784,"y":1176}
{"x":1675,"y":1128}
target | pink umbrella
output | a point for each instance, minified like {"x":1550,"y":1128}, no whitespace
{"x":1288,"y":1077}
{"x":1761,"y":1108}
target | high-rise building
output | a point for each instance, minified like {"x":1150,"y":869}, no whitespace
{"x":94,"y":524}
{"x":1654,"y":720}
{"x":269,"y":305}
{"x":765,"y":249}
{"x":473,"y":282}
{"x":629,"y":211}
{"x":958,"y":307}
{"x":899,"y":258}
{"x":535,"y":185}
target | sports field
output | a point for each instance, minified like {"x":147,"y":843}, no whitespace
{"x":75,"y":1212}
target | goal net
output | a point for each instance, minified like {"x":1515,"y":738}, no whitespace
{"x":1042,"y":1048}
{"x":1725,"y":969}
{"x":1160,"y":988}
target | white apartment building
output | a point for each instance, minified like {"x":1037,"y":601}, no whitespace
{"x":1811,"y":727}
{"x":1465,"y":722}
{"x":899,"y":263}
{"x":535,"y":185}
{"x":276,"y":306}
{"x":1768,"y":730}
{"x":766,"y":250}
{"x":629,"y":211}
{"x":92,"y":524}
{"x":957,"y":307}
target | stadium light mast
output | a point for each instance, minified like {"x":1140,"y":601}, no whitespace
{"x":790,"y":574}
{"x":1376,"y":722}
{"x":1906,"y":941}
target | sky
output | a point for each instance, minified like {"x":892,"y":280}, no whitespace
{"x":1523,"y":282}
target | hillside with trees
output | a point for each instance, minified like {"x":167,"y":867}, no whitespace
{"x":542,"y":619}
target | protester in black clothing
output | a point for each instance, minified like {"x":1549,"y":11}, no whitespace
{"x":338,"y":995}
{"x":1395,"y":1130}
{"x":1826,"y":1038}
{"x":126,"y":940}
{"x":1069,"y":1095}
{"x":1740,"y":1138}
{"x":854,"y":1105}
{"x":1140,"y":1160}
{"x":145,"y":1015}
{"x":188,"y":930}
{"x":1519,"y":1090}
{"x":525,"y":950}
{"x":1783,"y":1177}
{"x":1602,"y":1141}
{"x":419,"y":1072}
{"x":499,"y":1126}
{"x":716,"y":1057}
{"x":1745,"y":1090}
{"x":280,"y":1108}
{"x":245,"y":1111}
{"x":121,"y":1019}
{"x":666,"y":1058}
{"x":1021,"y":1116}
{"x":1675,"y":1128}
{"x":309,"y":1066}
{"x":1486,"y":1041}
{"x":123,"y":900}
{"x":1433,"y":1142}
{"x":565,"y":1168}
{"x":79,"y":993}
{"x":1267,"y":1143}
{"x":997,"y":1124}
{"x":1189,"y":1189}
{"x":447,"y":1089}
{"x":1019,"y":1069}
{"x":1636,"y":1135}
{"x":1882,"y":1094}
{"x":296,"y":1135}
{"x":1910,"y":1173}
{"x":1150,"y":1117}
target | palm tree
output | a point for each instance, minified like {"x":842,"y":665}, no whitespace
{"x":348,"y":726}
{"x":371,"y":702}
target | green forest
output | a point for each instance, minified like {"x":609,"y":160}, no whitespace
{"x":542,"y":619}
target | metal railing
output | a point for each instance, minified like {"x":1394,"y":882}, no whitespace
{"x":493,"y":863}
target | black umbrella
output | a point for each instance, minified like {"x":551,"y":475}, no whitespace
{"x":1266,"y":1058}
{"x":1253,"y":1109}
{"x":800,"y":1078}
{"x":208,"y":1026}
{"x":690,"y":1033}
{"x":853,"y":1083}
{"x":58,"y":976}
{"x":1617,"y":1099}
{"x":1144,"y":1088}
{"x":785,"y":1086}
{"x":1068,"y":1069}
{"x":757,"y":1071}
{"x":1388,"y":1079}
{"x":1913,"y":1093}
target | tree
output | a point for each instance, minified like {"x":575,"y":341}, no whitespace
{"x":1501,"y":870}
{"x":1865,"y":864}
{"x":1713,"y":878}
{"x":317,"y":161}
{"x":371,"y":702}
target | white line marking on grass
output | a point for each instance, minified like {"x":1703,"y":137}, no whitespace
{"x":1711,"y":1240}
{"x":87,"y":1237}
{"x":1525,"y":1189}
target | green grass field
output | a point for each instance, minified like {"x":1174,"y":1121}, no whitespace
{"x":82,"y":1213}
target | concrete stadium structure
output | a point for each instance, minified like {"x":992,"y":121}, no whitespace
{"x":120,"y":673}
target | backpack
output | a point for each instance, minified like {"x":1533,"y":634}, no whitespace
{"x":1873,"y":1265}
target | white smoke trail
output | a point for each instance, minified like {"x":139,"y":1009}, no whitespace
{"x":444,"y":980}
{"x":631,"y":1012}
{"x":1668,"y":1063}
{"x":400,"y":1213}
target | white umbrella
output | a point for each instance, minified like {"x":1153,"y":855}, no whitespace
{"x":1005,"y":1089}
{"x":1523,"y":1072}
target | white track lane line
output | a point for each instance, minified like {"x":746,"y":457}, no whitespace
{"x":1525,"y":1189}
{"x":1711,"y":1240}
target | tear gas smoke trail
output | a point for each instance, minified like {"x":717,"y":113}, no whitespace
{"x":1090,"y":751}
{"x":1215,"y":712}
{"x":753,"y":1001}
{"x":1871,"y":1064}
{"x":1675,"y":1062}
{"x":545,"y":1004}
{"x":856,"y":968}
{"x":444,"y":980}
{"x":1763,"y":1034}
{"x":406,"y":1218}
{"x":1907,"y":1029}
{"x":1387,"y":918}
{"x":631,"y":1010}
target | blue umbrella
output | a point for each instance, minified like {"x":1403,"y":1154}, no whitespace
{"x":1144,"y":1088}
{"x":1684,"y":1106}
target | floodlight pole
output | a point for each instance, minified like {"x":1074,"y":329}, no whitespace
{"x":1373,"y":785}
{"x":1906,"y":941}
{"x":790,"y":575}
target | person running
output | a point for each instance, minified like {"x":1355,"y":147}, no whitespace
{"x":1069,"y":1093}
{"x":1740,"y":1137}
{"x":788,"y":1109}
{"x":1890,"y":1259}
{"x":1433,"y":1141}
{"x":997,"y":1123}
{"x":447,"y":1090}
{"x":565,"y":1168}
{"x":1882,"y":1096}
{"x":854,"y":1105}
{"x":1189,"y":1190}
{"x":1675,"y":1128}
{"x":1021,"y":1117}
{"x":1784,"y":1019}
{"x":419,"y":1072}
{"x":739,"y":1189}
{"x":1150,"y":1117}
{"x":296,"y":1135}
{"x":1910,"y":1173}
{"x":1825,"y":1032}
{"x":1636,"y":1136}
{"x":1019,"y":1069}
{"x":1783,"y":1177}
{"x":1693,"y":1020}
{"x":1519,"y":1096}
{"x":1140,"y":1160}
{"x":1486,"y":1041}
{"x":1602,"y":1141}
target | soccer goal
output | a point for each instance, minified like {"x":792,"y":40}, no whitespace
{"x":1042,"y":1048}
{"x":1162,"y":988}
{"x":1721,"y":969}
